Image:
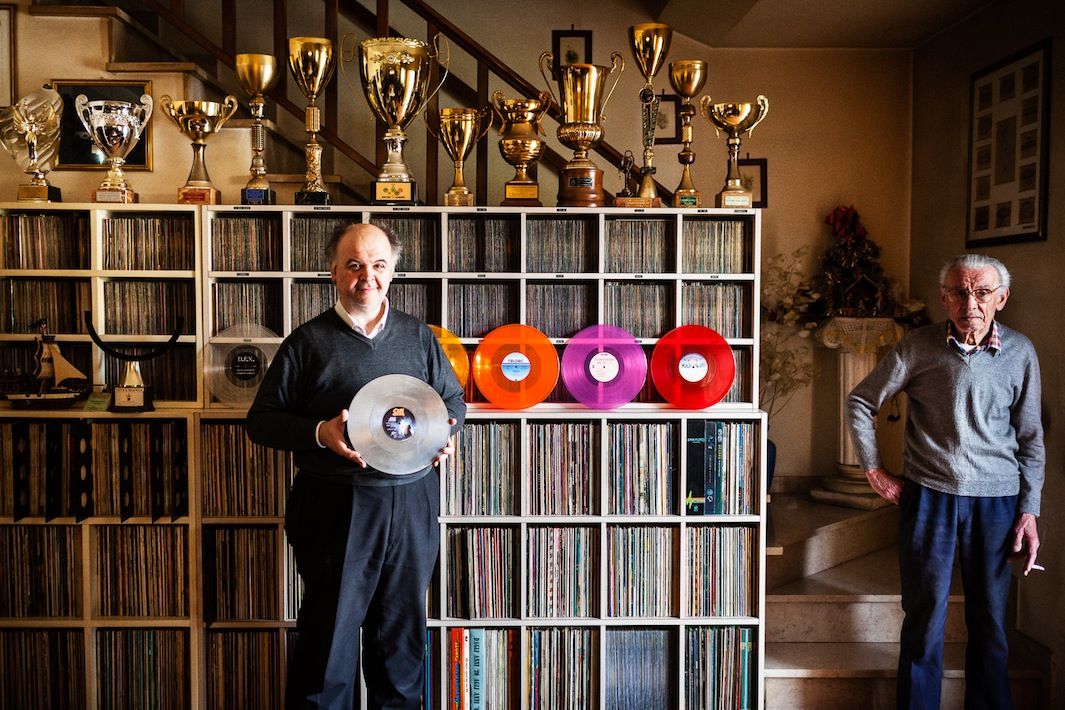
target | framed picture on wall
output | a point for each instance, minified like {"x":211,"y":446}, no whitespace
{"x":1009,"y":130}
{"x":755,"y":174}
{"x":76,"y":149}
{"x":570,"y":47}
{"x":8,"y":85}
{"x":667,"y":130}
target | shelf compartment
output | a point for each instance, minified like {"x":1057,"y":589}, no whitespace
{"x":162,"y":242}
{"x":644,"y":308}
{"x":720,"y":668}
{"x":172,"y":375}
{"x":725,"y":307}
{"x":309,"y":235}
{"x":416,"y":298}
{"x":419,"y":237}
{"x":42,"y":669}
{"x":140,"y":668}
{"x":48,"y":561}
{"x":563,"y":468}
{"x":482,"y":580}
{"x":641,"y":581}
{"x":243,"y":668}
{"x":311,"y":297}
{"x":722,"y":468}
{"x":52,"y":240}
{"x":561,"y":245}
{"x":640,"y":668}
{"x":560,"y":309}
{"x":136,"y":307}
{"x":640,"y":246}
{"x":478,"y":243}
{"x":642,"y":465}
{"x":718,"y":246}
{"x":241,"y":478}
{"x":722,"y":570}
{"x":141,"y":570}
{"x":240,"y":565}
{"x":563,"y":668}
{"x":483,"y":474}
{"x":480,"y":662}
{"x":477,"y":308}
{"x":24,"y":301}
{"x":246,"y":301}
{"x":563,"y":572}
{"x":245,"y":243}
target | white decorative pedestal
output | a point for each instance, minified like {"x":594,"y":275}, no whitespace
{"x":857,"y":341}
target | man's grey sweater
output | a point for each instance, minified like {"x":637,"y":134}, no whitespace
{"x":974,"y":425}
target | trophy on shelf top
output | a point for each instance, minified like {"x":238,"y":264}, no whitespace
{"x":650,"y":45}
{"x":311,"y":61}
{"x":580,"y":183}
{"x":256,"y":74}
{"x":395,"y":74}
{"x":520,"y":144}
{"x":687,"y":76}
{"x":29,"y":131}
{"x":458,"y":129}
{"x":115,"y":127}
{"x":198,"y":121}
{"x":734,"y":119}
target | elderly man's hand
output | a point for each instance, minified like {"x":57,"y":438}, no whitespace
{"x":1025,"y":541}
{"x":886,"y":486}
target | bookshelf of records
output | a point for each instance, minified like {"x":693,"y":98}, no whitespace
{"x":608,"y":559}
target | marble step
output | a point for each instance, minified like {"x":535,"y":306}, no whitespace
{"x":845,"y":676}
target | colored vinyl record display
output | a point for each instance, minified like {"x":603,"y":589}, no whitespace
{"x":455,"y":352}
{"x":604,"y":367}
{"x":515,"y":366}
{"x":398,"y":424}
{"x":693,"y":367}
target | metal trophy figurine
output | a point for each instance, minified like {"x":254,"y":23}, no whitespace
{"x":311,"y":61}
{"x":650,"y":45}
{"x":687,"y":76}
{"x":256,"y":74}
{"x":734,"y":119}
{"x":29,"y":131}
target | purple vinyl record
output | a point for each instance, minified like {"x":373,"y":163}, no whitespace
{"x":604,"y":367}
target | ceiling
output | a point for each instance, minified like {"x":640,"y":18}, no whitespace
{"x":812,"y":23}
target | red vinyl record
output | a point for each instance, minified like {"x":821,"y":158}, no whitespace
{"x":515,"y":366}
{"x":693,"y":367}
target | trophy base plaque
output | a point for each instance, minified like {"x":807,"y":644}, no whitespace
{"x":118,"y":195}
{"x":258,"y":196}
{"x":394,"y":192}
{"x":198,"y":196}
{"x":638,"y":202}
{"x":521,"y":194}
{"x":687,"y":199}
{"x":581,"y":187}
{"x":737,"y":200}
{"x":131,"y":399}
{"x":306,"y":197}
{"x":458,"y":199}
{"x":39,"y":193}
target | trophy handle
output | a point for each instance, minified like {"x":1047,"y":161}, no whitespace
{"x":167,"y":104}
{"x":428,"y":125}
{"x":704,"y":105}
{"x":616,"y":60}
{"x":763,"y":106}
{"x":498,"y":98}
{"x":347,"y":56}
{"x":146,"y":107}
{"x":230,"y":105}
{"x":550,"y":60}
{"x":545,"y":104}
{"x":81,"y":108}
{"x":486,"y":115}
{"x":436,"y":46}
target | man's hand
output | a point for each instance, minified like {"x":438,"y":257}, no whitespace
{"x":331,"y":434}
{"x":886,"y":486}
{"x":449,"y":447}
{"x":1025,"y":541}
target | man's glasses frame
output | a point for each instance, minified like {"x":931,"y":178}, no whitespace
{"x":961,"y":295}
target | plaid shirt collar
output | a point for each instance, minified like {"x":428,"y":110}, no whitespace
{"x":992,"y":341}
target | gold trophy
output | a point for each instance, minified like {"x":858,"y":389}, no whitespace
{"x":29,"y":131}
{"x":312,"y":61}
{"x":520,"y":144}
{"x":734,"y":119}
{"x":198,"y":121}
{"x":395,"y":73}
{"x":580,"y":184}
{"x":650,"y":45}
{"x":115,"y":127}
{"x":256,"y":74}
{"x":459,"y":129}
{"x":687,"y":76}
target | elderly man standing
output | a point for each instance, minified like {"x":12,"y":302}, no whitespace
{"x":971,"y":478}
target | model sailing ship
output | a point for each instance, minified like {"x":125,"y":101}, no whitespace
{"x":54,"y":382}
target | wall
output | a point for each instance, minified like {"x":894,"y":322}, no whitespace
{"x":942,"y":71}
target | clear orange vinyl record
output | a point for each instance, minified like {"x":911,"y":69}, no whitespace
{"x":515,"y":366}
{"x":455,"y":352}
{"x":693,"y":367}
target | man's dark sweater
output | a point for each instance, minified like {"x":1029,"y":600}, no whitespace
{"x":318,"y":370}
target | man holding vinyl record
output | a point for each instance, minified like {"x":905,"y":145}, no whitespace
{"x":365,"y":540}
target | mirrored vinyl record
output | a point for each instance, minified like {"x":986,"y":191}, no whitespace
{"x":235,"y":369}
{"x":693,"y":367}
{"x":604,"y":367}
{"x":515,"y":366}
{"x":398,"y":424}
{"x":455,"y":352}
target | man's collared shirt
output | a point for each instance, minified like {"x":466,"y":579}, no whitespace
{"x":992,"y":341}
{"x":346,"y":317}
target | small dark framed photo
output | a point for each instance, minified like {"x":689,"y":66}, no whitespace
{"x":755,"y":174}
{"x":570,"y":47}
{"x":667,"y":129}
{"x":76,"y":149}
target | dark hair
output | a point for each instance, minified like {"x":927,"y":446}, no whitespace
{"x":345,"y":227}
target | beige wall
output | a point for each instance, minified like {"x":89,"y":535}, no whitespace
{"x":942,"y":71}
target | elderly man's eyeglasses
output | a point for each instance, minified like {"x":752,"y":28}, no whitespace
{"x":960,"y":295}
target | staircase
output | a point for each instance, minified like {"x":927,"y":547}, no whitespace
{"x":833,"y":615}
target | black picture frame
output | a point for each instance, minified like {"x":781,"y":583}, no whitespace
{"x":667,"y":130}
{"x":755,"y":174}
{"x":570,"y":47}
{"x":1009,"y":150}
{"x":76,"y":149}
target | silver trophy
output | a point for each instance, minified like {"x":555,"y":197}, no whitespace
{"x":115,"y":128}
{"x":29,"y":131}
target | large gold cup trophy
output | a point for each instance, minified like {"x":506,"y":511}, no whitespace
{"x":395,"y":73}
{"x":650,"y":45}
{"x":311,"y":61}
{"x":580,"y":184}
{"x":198,"y":121}
{"x":29,"y":131}
{"x":520,"y":144}
{"x":734,"y":119}
{"x":256,"y":74}
{"x":687,"y":77}
{"x":459,"y":129}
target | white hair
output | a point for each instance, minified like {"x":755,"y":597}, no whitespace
{"x":975,"y":261}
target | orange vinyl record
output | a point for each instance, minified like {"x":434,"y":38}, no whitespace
{"x":515,"y":366}
{"x":455,"y":352}
{"x":693,"y":367}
